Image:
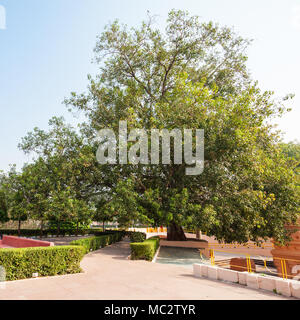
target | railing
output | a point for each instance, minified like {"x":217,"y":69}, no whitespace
{"x":244,"y":245}
{"x":282,"y":263}
{"x":156,"y":230}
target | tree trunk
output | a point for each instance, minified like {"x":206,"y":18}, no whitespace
{"x":77,"y":228}
{"x":103,"y":226}
{"x":198,"y":234}
{"x":58,"y":229}
{"x":19,"y":228}
{"x":175,"y":232}
{"x":41,"y":230}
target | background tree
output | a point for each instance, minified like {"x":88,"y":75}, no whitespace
{"x":292,"y":151}
{"x":63,"y":179}
{"x":3,"y":201}
{"x":102,"y":214}
{"x":18,"y":197}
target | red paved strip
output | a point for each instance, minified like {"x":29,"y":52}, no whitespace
{"x":16,"y":242}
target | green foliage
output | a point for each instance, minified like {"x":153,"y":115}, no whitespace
{"x":3,"y":216}
{"x":67,"y":225}
{"x":292,"y":151}
{"x":98,"y":242}
{"x":125,"y":205}
{"x":48,"y":232}
{"x":3,"y":202}
{"x":145,"y":250}
{"x":192,"y":76}
{"x":102,"y":211}
{"x":137,"y":236}
{"x":48,"y":261}
{"x":14,"y":191}
{"x":59,"y":182}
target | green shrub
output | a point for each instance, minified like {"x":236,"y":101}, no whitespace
{"x":99,"y":232}
{"x":98,"y":242}
{"x":46,"y":261}
{"x":137,"y":236}
{"x":144,"y":250}
{"x":48,"y":232}
{"x":50,"y":261}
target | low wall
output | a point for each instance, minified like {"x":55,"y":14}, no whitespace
{"x":240,"y":264}
{"x":202,"y":245}
{"x":288,"y":288}
{"x":17,"y":242}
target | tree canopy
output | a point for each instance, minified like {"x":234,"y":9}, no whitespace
{"x":194,"y":76}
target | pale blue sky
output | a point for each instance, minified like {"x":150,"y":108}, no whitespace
{"x":47,"y":47}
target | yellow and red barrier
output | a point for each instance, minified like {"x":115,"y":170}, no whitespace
{"x":282,"y":272}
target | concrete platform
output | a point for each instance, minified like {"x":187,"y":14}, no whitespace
{"x":201,"y":245}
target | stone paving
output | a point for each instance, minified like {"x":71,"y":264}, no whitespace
{"x":108,"y":274}
{"x":63,"y":241}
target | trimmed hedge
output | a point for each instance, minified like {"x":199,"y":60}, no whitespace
{"x":51,"y":261}
{"x":137,"y":236}
{"x":144,"y":250}
{"x":47,"y":261}
{"x":47,"y":232}
{"x":98,"y":242}
{"x":98,"y":232}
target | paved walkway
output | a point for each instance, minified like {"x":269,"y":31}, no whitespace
{"x":63,"y":241}
{"x":109,"y":275}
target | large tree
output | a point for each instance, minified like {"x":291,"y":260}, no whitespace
{"x":193,"y":76}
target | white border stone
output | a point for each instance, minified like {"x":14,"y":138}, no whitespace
{"x":267,"y":283}
{"x":228,"y":275}
{"x":252,"y":281}
{"x":204,"y":269}
{"x":295,"y":288}
{"x":243,"y":278}
{"x":212,"y":272}
{"x":283,"y":287}
{"x":286,"y":288}
{"x":197,"y":270}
